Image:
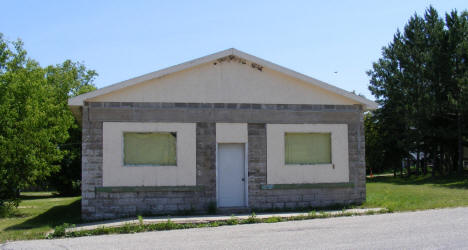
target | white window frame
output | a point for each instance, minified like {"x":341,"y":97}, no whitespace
{"x":114,"y":173}
{"x":280,"y":173}
{"x":288,"y":164}
{"x":140,"y":165}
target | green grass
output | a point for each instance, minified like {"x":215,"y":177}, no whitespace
{"x":37,"y":214}
{"x":416,"y":193}
{"x":40,"y":212}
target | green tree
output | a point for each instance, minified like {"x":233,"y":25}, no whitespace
{"x":35,"y":120}
{"x":420,"y":83}
{"x":69,"y":79}
{"x":374,"y":151}
{"x":457,"y":40}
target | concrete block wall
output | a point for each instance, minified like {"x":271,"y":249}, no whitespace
{"x":103,"y":204}
{"x":106,"y":205}
{"x":297,"y":198}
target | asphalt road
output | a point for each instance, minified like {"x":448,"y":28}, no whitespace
{"x":431,"y":229}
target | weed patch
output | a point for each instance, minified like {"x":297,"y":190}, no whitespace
{"x":170,"y":225}
{"x":233,"y":220}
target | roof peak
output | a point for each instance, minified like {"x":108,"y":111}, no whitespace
{"x":79,"y":100}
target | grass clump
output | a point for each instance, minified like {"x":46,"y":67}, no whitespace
{"x":251,"y":219}
{"x":273,"y":219}
{"x":214,"y":224}
{"x":233,"y":220}
{"x":312,"y":213}
{"x":140,"y":221}
{"x":60,"y":231}
{"x":168,"y":225}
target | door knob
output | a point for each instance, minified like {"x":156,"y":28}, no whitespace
{"x":243,"y":179}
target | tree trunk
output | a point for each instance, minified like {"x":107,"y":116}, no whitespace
{"x":433,"y":164}
{"x":418,"y":161}
{"x":441,"y":162}
{"x":401,"y":167}
{"x":460,"y":144}
{"x":449,"y":164}
{"x":408,"y":167}
{"x":424,"y":166}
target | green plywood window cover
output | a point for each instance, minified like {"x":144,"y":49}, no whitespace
{"x":153,"y":149}
{"x":149,"y":189}
{"x":307,"y":148}
{"x":307,"y":185}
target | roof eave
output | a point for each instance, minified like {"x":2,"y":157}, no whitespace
{"x":79,"y":100}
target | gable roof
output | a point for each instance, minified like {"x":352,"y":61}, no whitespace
{"x":79,"y":100}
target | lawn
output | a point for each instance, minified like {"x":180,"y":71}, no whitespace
{"x":38,"y":213}
{"x":416,"y":193}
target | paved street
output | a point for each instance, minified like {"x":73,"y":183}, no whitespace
{"x":432,"y":229}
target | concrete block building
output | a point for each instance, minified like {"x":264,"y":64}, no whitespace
{"x":228,"y":130}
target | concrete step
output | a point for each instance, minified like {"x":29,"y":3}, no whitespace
{"x":233,"y":210}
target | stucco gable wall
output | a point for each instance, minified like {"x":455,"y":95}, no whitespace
{"x":231,"y":81}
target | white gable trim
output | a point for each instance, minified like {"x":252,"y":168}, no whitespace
{"x":79,"y":100}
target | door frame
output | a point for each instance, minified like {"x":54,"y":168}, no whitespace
{"x":246,"y":172}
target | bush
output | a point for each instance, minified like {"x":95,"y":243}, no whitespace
{"x":67,"y":181}
{"x":8,"y":209}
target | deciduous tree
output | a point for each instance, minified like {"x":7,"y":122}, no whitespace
{"x":35,"y":121}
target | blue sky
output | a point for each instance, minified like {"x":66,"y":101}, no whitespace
{"x":125,"y":39}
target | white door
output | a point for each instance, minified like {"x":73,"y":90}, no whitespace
{"x":231,"y":174}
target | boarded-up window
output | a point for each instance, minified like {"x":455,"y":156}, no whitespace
{"x":307,"y":148}
{"x":150,"y":148}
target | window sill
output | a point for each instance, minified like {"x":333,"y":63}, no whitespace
{"x":147,"y":165}
{"x":307,"y":185}
{"x":324,"y":165}
{"x":149,"y":189}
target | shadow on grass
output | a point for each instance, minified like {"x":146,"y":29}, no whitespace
{"x":45,"y":196}
{"x":35,"y":197}
{"x":458,"y":182}
{"x":53,"y":217}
